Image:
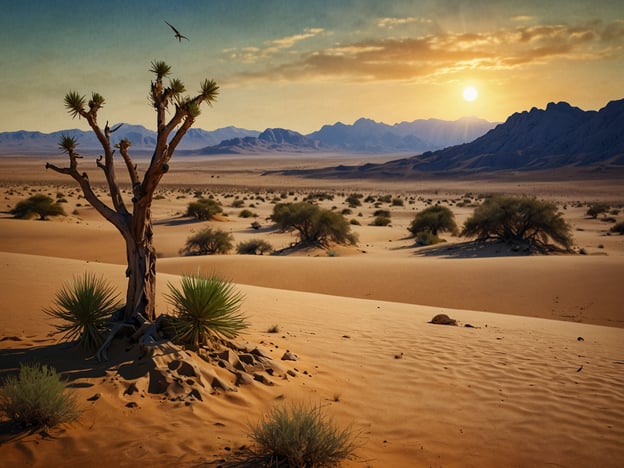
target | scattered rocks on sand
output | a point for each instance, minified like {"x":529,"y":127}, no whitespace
{"x":443,"y":319}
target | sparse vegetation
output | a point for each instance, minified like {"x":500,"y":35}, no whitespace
{"x":84,"y":305}
{"x":205,"y":309}
{"x":597,"y":209}
{"x":301,"y":437}
{"x":209,"y":242}
{"x":203,"y":209}
{"x":37,"y":398}
{"x":381,"y":221}
{"x":37,"y":205}
{"x":519,"y":219}
{"x":618,"y":228}
{"x":254,"y":247}
{"x":315,"y":225}
{"x":433,"y":220}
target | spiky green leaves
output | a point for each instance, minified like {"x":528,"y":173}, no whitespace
{"x":96,"y":101}
{"x":160,"y":69}
{"x":84,"y":305}
{"x":206,"y":309}
{"x":176,"y":86}
{"x":209,"y":90}
{"x":74,"y":103}
{"x":67,"y":143}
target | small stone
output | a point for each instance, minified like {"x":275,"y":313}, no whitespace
{"x":443,"y":319}
{"x":95,"y":397}
{"x":289,"y":356}
{"x":132,"y":404}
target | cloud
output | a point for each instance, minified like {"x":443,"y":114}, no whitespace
{"x":446,"y":53}
{"x":392,"y":22}
{"x":270,"y":48}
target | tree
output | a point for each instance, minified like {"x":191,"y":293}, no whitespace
{"x":519,"y":219}
{"x":433,"y":220}
{"x":254,"y":247}
{"x":597,"y":209}
{"x":208,"y":242}
{"x":315,"y":225}
{"x":38,"y":204}
{"x":203,"y":209}
{"x":135,"y":223}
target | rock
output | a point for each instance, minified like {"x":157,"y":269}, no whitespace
{"x":443,"y":319}
{"x":95,"y":397}
{"x":288,"y":356}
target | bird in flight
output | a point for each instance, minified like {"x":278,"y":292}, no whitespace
{"x":178,"y":36}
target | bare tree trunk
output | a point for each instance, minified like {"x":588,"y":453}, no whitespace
{"x":141,"y":272}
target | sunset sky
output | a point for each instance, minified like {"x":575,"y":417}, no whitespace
{"x":301,"y":64}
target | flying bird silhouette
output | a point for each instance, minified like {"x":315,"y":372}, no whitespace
{"x":178,"y":36}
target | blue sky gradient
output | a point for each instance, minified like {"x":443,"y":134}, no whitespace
{"x":301,"y":64}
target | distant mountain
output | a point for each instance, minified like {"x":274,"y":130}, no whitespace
{"x":555,"y":137}
{"x":271,"y":140}
{"x":24,"y":142}
{"x":364,"y":136}
{"x":368,"y":136}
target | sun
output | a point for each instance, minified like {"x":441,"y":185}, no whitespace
{"x":470,"y":93}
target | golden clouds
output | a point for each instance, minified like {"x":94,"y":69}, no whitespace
{"x":442,"y":53}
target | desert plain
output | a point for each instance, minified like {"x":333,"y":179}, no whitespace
{"x":537,"y":379}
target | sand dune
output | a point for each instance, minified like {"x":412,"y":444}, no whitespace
{"x":516,"y":391}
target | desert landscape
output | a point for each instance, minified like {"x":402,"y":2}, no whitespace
{"x":532,"y":376}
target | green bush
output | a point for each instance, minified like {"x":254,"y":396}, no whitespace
{"x":597,"y":209}
{"x":381,"y":221}
{"x":434,"y":219}
{"x":205,"y":309}
{"x":618,"y":228}
{"x":315,"y":225}
{"x":247,"y":214}
{"x":354,"y":200}
{"x":397,"y":202}
{"x":37,"y":398}
{"x":427,"y":238}
{"x":37,"y":205}
{"x":254,"y":247}
{"x":208,"y":242}
{"x":519,"y":219}
{"x":84,"y":305}
{"x":301,"y":437}
{"x":203,"y":209}
{"x":384,"y":213}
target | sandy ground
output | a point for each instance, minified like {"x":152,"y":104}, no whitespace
{"x":537,"y":381}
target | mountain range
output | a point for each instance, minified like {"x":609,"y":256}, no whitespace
{"x":559,"y":136}
{"x":364,"y":136}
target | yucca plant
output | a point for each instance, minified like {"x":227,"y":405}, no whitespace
{"x":37,"y":398}
{"x":206,"y":309}
{"x":301,"y":437}
{"x":84,"y":304}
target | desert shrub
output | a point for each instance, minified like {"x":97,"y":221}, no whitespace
{"x":254,"y":247}
{"x":518,"y":219}
{"x":618,"y":228}
{"x":319,"y":196}
{"x":37,"y":398}
{"x":346,"y":211}
{"x":203,"y":208}
{"x":37,"y":205}
{"x":385,"y":213}
{"x":427,"y":238}
{"x":434,"y":219}
{"x":238,"y":203}
{"x":205,"y":309}
{"x":208,"y":242}
{"x":247,"y":214}
{"x":84,"y":305}
{"x":301,"y":437}
{"x":385,"y":198}
{"x":355,"y":222}
{"x":255,"y":225}
{"x":354,"y":200}
{"x":315,"y":225}
{"x":597,"y":209}
{"x":397,"y":202}
{"x":381,"y":221}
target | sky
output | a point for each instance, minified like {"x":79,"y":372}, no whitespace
{"x":301,"y":64}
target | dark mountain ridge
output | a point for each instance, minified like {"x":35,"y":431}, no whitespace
{"x":559,"y":136}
